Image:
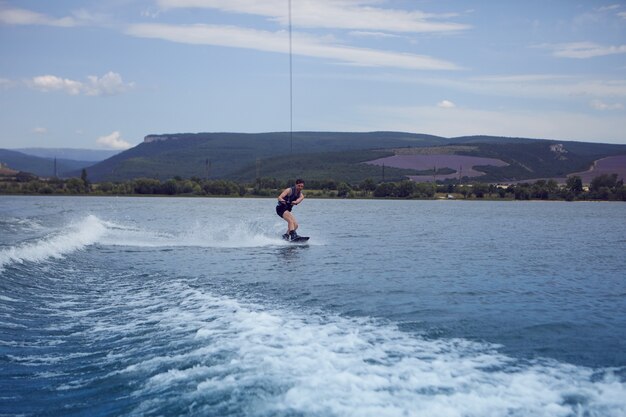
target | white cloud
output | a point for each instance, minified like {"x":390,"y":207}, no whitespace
{"x":15,"y":16}
{"x":40,"y":130}
{"x":343,"y":14}
{"x":113,"y":141}
{"x":609,"y":7}
{"x":236,"y":37}
{"x":47,"y":83}
{"x":536,"y":86}
{"x":446,"y":104}
{"x":360,"y":17}
{"x":109,"y":84}
{"x":584,"y":50}
{"x":521,"y":78}
{"x":622,"y":15}
{"x":149,"y":13}
{"x":5,"y":83}
{"x":600,"y":105}
{"x":548,"y":86}
{"x":367,"y":34}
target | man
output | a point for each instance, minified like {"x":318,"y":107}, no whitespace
{"x":286,"y":200}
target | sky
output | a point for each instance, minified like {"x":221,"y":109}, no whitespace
{"x":99,"y":74}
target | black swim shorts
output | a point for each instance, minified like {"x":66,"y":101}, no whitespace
{"x":282,"y":208}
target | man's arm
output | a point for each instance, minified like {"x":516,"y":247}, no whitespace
{"x":285,"y":193}
{"x":299,"y":199}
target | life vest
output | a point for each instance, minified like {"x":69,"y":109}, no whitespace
{"x":293,"y":196}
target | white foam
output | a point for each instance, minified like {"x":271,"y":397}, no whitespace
{"x":91,"y":230}
{"x":354,"y":367}
{"x":51,"y":359}
{"x":20,"y":224}
{"x":201,"y":234}
{"x":77,"y":236}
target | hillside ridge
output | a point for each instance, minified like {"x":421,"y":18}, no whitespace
{"x":342,"y":156}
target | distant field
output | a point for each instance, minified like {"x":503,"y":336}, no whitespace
{"x":463,"y":165}
{"x":608,"y":165}
{"x":7,"y":171}
{"x":434,"y":150}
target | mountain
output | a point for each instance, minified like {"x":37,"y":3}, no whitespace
{"x":229,"y":155}
{"x":90,"y":155}
{"x":343,"y":156}
{"x":340,"y":156}
{"x":43,"y":167}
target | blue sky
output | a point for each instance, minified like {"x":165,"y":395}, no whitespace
{"x":103,"y":74}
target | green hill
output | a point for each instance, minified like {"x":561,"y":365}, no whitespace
{"x":232,"y":154}
{"x":346,"y":166}
{"x":335,"y":155}
{"x":43,"y":167}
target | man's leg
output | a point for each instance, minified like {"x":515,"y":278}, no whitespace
{"x":292,"y":224}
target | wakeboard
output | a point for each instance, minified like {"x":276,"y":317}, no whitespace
{"x":299,"y":239}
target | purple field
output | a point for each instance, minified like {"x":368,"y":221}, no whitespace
{"x":463,"y":165}
{"x":608,"y":165}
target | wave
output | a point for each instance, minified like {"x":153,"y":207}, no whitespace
{"x":93,"y":230}
{"x":207,"y":235}
{"x":15,"y":223}
{"x":77,"y":236}
{"x":182,"y":350}
{"x":316,"y":364}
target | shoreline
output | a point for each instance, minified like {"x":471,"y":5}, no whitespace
{"x":356,"y":198}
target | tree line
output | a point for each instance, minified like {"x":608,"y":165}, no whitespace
{"x":603,"y":187}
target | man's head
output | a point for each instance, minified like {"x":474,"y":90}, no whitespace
{"x":299,"y":184}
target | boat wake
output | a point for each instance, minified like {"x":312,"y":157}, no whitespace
{"x":327,"y":365}
{"x":73,"y":237}
{"x":91,"y":230}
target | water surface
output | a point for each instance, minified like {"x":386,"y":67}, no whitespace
{"x":191,"y":306}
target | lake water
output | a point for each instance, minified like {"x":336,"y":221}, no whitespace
{"x":192,"y":306}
